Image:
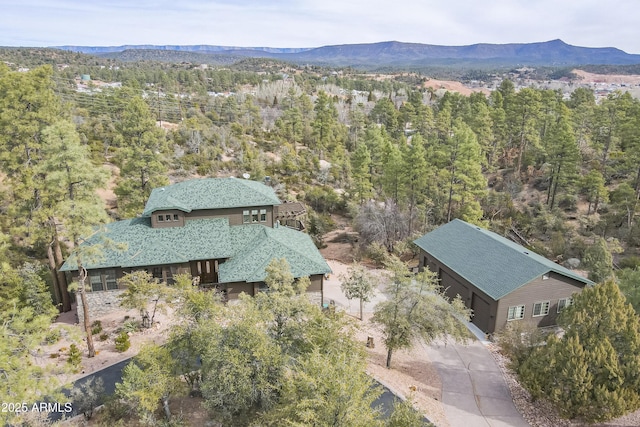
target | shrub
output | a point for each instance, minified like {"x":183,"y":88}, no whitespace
{"x":53,"y":336}
{"x":75,"y":357}
{"x":632,"y":262}
{"x":87,"y":396}
{"x":122,"y":342}
{"x":104,"y":336}
{"x":114,"y":410}
{"x":377,"y":253}
{"x":131,"y":326}
{"x":517,"y":340}
{"x":96,"y":327}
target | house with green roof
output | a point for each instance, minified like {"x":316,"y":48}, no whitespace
{"x":222,"y":231}
{"x":498,"y":279}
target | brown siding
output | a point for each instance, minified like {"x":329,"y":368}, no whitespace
{"x":538,"y":290}
{"x":453,"y":285}
{"x":316,"y":283}
{"x":165,"y":224}
{"x":234,"y":215}
{"x":235,"y":289}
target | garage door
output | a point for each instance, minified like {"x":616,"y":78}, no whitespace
{"x":453,"y":287}
{"x":481,"y":314}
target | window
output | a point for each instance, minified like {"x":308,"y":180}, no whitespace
{"x":168,"y":217}
{"x":160,"y":218}
{"x":173,"y":270}
{"x":516,"y":312}
{"x":95,"y":279}
{"x":246,"y":217}
{"x":156,"y":272}
{"x":541,"y":308}
{"x":546,"y":276}
{"x":263,"y":215}
{"x":176,"y":217}
{"x":110,"y":279}
{"x":254,"y":215}
{"x":564,"y":302}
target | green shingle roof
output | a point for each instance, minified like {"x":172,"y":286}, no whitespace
{"x":258,"y":245}
{"x":249,"y":248}
{"x":495,"y":265}
{"x":210,"y":193}
{"x":199,"y":239}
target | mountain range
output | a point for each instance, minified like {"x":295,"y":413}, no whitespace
{"x":555,"y":53}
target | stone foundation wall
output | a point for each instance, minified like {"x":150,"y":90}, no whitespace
{"x":100,"y":303}
{"x":315,"y":297}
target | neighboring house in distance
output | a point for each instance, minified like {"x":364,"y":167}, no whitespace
{"x":498,"y":279}
{"x":222,"y":231}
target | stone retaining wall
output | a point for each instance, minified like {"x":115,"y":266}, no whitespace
{"x":315,"y":297}
{"x":100,"y":303}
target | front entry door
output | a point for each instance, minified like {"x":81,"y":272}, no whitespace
{"x":207,"y":271}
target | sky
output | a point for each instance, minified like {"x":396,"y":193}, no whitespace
{"x":315,"y":23}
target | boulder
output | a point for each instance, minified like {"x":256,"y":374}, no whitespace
{"x":572,"y":263}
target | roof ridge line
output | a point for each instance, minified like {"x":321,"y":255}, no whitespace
{"x":294,"y":250}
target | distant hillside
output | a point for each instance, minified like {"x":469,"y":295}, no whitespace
{"x":555,"y":53}
{"x":201,"y":48}
{"x":134,"y":55}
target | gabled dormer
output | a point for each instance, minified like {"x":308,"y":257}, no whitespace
{"x":240,"y":201}
{"x":168,"y":218}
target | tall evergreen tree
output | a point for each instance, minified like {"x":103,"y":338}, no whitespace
{"x":142,"y":158}
{"x":73,"y":182}
{"x":393,"y":172}
{"x":522,"y":121}
{"x":414,"y":177}
{"x":591,"y":372}
{"x":563,"y":155}
{"x":361,"y":173}
{"x":28,"y":105}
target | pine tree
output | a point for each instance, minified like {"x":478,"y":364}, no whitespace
{"x":599,"y":260}
{"x":72,"y":182}
{"x":591,"y":372}
{"x":361,"y":173}
{"x":593,"y":187}
{"x":563,"y":155}
{"x":414,"y":176}
{"x":393,"y":170}
{"x":522,"y":121}
{"x":142,"y":158}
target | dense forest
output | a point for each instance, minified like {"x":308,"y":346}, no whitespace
{"x":555,"y":174}
{"x":561,"y":176}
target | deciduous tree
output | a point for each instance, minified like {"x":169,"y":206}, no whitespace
{"x":416,"y":309}
{"x":358,"y":283}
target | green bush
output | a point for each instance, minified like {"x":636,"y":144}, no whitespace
{"x":75,"y":357}
{"x":104,"y":336}
{"x":53,"y":336}
{"x":131,"y":326}
{"x":96,"y":327}
{"x":632,"y":262}
{"x":377,"y":253}
{"x":122,"y":342}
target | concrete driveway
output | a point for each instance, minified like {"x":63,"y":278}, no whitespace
{"x":474,"y":393}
